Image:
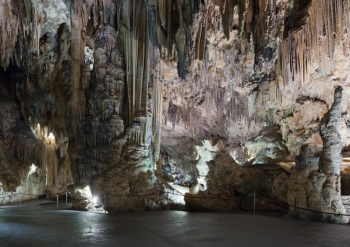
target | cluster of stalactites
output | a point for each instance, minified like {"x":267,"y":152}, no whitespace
{"x":217,"y":102}
{"x":98,"y":97}
{"x":133,"y":26}
{"x":20,"y":25}
{"x":314,"y":45}
{"x":29,"y":150}
{"x":93,"y":163}
{"x":100,"y":11}
{"x":237,"y":108}
{"x":140,"y":131}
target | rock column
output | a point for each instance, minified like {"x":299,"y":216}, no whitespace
{"x":331,"y":161}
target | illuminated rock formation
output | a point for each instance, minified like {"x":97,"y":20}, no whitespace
{"x":214,"y":98}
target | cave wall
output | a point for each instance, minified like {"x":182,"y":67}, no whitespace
{"x":97,"y":93}
{"x":263,"y":87}
{"x":87,"y":95}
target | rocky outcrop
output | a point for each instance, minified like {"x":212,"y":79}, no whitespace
{"x":315,"y":184}
{"x":266,"y":148}
{"x":227,"y":182}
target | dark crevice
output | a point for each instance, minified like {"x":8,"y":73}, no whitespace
{"x":297,"y":17}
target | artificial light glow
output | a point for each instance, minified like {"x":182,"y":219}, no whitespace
{"x":94,"y":200}
{"x":32,"y":169}
{"x":51,"y":139}
{"x":234,"y":156}
{"x":183,"y":190}
{"x":178,"y":193}
{"x":88,"y":192}
{"x":46,"y":175}
{"x":207,"y":152}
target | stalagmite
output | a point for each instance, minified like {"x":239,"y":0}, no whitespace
{"x":331,"y":159}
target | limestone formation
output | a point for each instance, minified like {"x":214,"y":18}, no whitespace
{"x":139,"y":99}
{"x":316,"y":182}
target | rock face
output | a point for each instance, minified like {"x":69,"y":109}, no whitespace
{"x":135,"y":98}
{"x":316,"y":183}
{"x":227,"y":181}
{"x":331,"y":155}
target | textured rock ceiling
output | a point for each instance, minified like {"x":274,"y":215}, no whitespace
{"x":133,"y":97}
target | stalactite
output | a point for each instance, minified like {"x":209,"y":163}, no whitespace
{"x":21,"y":25}
{"x":237,"y":108}
{"x":201,"y":40}
{"x":165,"y":24}
{"x":208,"y":104}
{"x":157,"y":111}
{"x":314,"y":45}
{"x":133,"y":27}
{"x":226,"y":9}
{"x":220,"y":98}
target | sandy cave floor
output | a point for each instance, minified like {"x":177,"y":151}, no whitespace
{"x":44,"y":225}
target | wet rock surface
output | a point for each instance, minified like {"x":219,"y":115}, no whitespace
{"x":72,"y":228}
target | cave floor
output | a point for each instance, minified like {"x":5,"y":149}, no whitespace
{"x":44,"y":225}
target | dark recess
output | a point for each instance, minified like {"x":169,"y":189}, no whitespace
{"x":297,"y":17}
